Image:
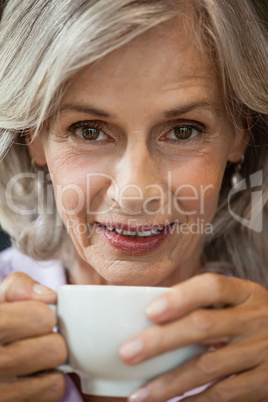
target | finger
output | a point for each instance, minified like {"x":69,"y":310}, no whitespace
{"x":201,"y":326}
{"x":203,"y":369}
{"x":32,"y":355}
{"x":20,"y":320}
{"x":42,"y":388}
{"x":250,"y":386}
{"x":205,"y":290}
{"x":19,"y":286}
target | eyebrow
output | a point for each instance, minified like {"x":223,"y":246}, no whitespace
{"x":169,"y":114}
{"x":202,"y":104}
{"x":87,"y":109}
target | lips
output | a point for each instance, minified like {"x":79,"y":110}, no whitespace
{"x":134,"y":240}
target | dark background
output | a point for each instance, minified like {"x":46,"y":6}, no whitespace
{"x":4,"y":240}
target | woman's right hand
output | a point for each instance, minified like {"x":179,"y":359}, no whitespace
{"x":29,"y":350}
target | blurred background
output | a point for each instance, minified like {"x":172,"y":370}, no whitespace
{"x":4,"y":240}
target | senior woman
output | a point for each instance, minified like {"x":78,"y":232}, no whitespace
{"x":134,"y":152}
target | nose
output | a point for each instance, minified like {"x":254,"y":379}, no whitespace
{"x":138,"y":186}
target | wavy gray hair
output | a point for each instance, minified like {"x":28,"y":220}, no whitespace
{"x":44,"y":42}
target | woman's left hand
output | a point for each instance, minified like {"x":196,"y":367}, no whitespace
{"x":210,"y":309}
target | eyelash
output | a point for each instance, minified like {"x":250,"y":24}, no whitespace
{"x":98,"y":125}
{"x":189,"y":125}
{"x":95,"y":125}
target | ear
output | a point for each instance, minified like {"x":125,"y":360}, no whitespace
{"x":36,"y":149}
{"x":240,"y":143}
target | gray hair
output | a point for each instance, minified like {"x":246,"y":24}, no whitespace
{"x":44,"y":42}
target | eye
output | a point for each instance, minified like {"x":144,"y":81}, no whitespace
{"x":184,"y":132}
{"x":89,"y":131}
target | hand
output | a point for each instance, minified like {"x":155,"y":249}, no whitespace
{"x":209,"y":309}
{"x":29,"y":350}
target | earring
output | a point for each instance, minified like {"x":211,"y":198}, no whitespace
{"x":237,"y":176}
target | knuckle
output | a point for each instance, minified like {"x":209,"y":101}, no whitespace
{"x":42,"y":388}
{"x":257,"y":315}
{"x":16,"y":275}
{"x":58,"y":348}
{"x":160,"y":387}
{"x":262,"y":379}
{"x":206,"y":366}
{"x":56,"y":387}
{"x":12,"y":286}
{"x":12,"y":278}
{"x":263,"y":312}
{"x":46,"y":317}
{"x":4,"y":317}
{"x":263,"y":351}
{"x":258,"y":290}
{"x":7,"y":362}
{"x":221,"y":393}
{"x":214,"y":282}
{"x":255,"y":319}
{"x":202,"y":320}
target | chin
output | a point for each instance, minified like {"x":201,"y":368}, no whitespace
{"x":125,"y":279}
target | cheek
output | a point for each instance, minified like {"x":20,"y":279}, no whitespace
{"x":77,"y":184}
{"x":196,"y":187}
{"x":81,"y":199}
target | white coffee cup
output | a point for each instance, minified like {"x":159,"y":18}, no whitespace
{"x":95,"y":321}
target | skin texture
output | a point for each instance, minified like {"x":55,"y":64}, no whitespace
{"x":138,"y":148}
{"x":136,"y":85}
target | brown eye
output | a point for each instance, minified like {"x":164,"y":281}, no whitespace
{"x":89,"y":133}
{"x":183,"y":133}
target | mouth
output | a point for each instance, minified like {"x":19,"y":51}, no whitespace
{"x":138,"y":240}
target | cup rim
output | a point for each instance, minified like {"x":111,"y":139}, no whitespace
{"x":115,"y":288}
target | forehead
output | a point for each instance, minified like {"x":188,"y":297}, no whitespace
{"x":164,"y":60}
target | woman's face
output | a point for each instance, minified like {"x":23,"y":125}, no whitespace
{"x":141,"y":144}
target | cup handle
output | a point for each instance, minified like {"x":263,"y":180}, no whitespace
{"x":65,"y":368}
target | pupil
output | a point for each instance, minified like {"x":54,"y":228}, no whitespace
{"x":91,"y":133}
{"x":183,"y":133}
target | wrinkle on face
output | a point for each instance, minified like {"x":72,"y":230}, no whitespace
{"x":132,"y":90}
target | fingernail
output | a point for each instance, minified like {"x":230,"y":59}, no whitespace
{"x":41,"y":290}
{"x":131,"y":348}
{"x":140,"y":395}
{"x":156,"y":307}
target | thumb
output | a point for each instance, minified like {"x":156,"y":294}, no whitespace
{"x":19,"y":286}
